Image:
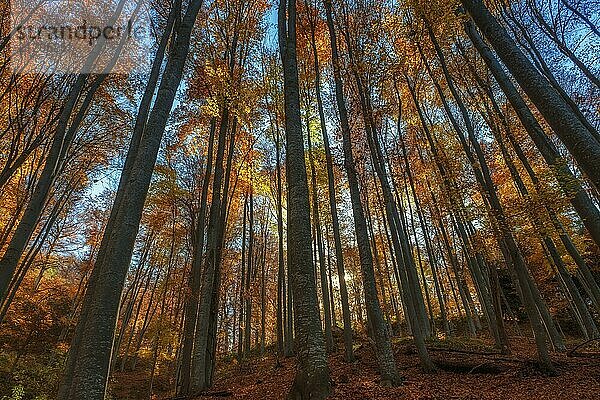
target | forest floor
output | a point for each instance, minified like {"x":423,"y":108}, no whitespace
{"x":465,"y":372}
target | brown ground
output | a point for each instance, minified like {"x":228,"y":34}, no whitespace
{"x":460,"y":376}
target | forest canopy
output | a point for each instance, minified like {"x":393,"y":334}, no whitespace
{"x":300,"y":199}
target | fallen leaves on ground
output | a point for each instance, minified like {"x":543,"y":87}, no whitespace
{"x":459,"y":376}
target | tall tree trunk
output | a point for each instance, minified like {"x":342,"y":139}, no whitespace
{"x":211,"y":263}
{"x":387,"y":364}
{"x":312,"y":374}
{"x":242,"y":282}
{"x":320,"y":251}
{"x":90,"y":354}
{"x":211,"y":346}
{"x":570,"y":185}
{"x":195,"y":279}
{"x":332,"y":202}
{"x":571,"y":131}
{"x":281,"y":292}
{"x":249,"y":275}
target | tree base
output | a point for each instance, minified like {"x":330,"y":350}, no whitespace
{"x":394,"y":381}
{"x":428,"y":367}
{"x":310,"y":387}
{"x":548,"y":369}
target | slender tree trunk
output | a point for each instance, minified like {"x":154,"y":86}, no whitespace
{"x":249,"y":275}
{"x":281,"y":292}
{"x":90,"y":354}
{"x":195,"y":279}
{"x":242,"y":282}
{"x":211,"y":263}
{"x":263,"y":295}
{"x":211,"y":346}
{"x":571,"y":131}
{"x":570,"y":185}
{"x":387,"y":364}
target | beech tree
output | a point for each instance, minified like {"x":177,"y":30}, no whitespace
{"x":312,"y":376}
{"x":356,"y":189}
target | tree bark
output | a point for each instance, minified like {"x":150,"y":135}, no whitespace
{"x":570,"y":185}
{"x":571,"y":131}
{"x":90,"y":354}
{"x":312,"y":374}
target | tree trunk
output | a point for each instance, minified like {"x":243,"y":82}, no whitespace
{"x":211,"y":263}
{"x":195,"y":279}
{"x":312,"y":374}
{"x":90,"y":354}
{"x":571,"y":131}
{"x":570,"y":185}
{"x":387,"y":364}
